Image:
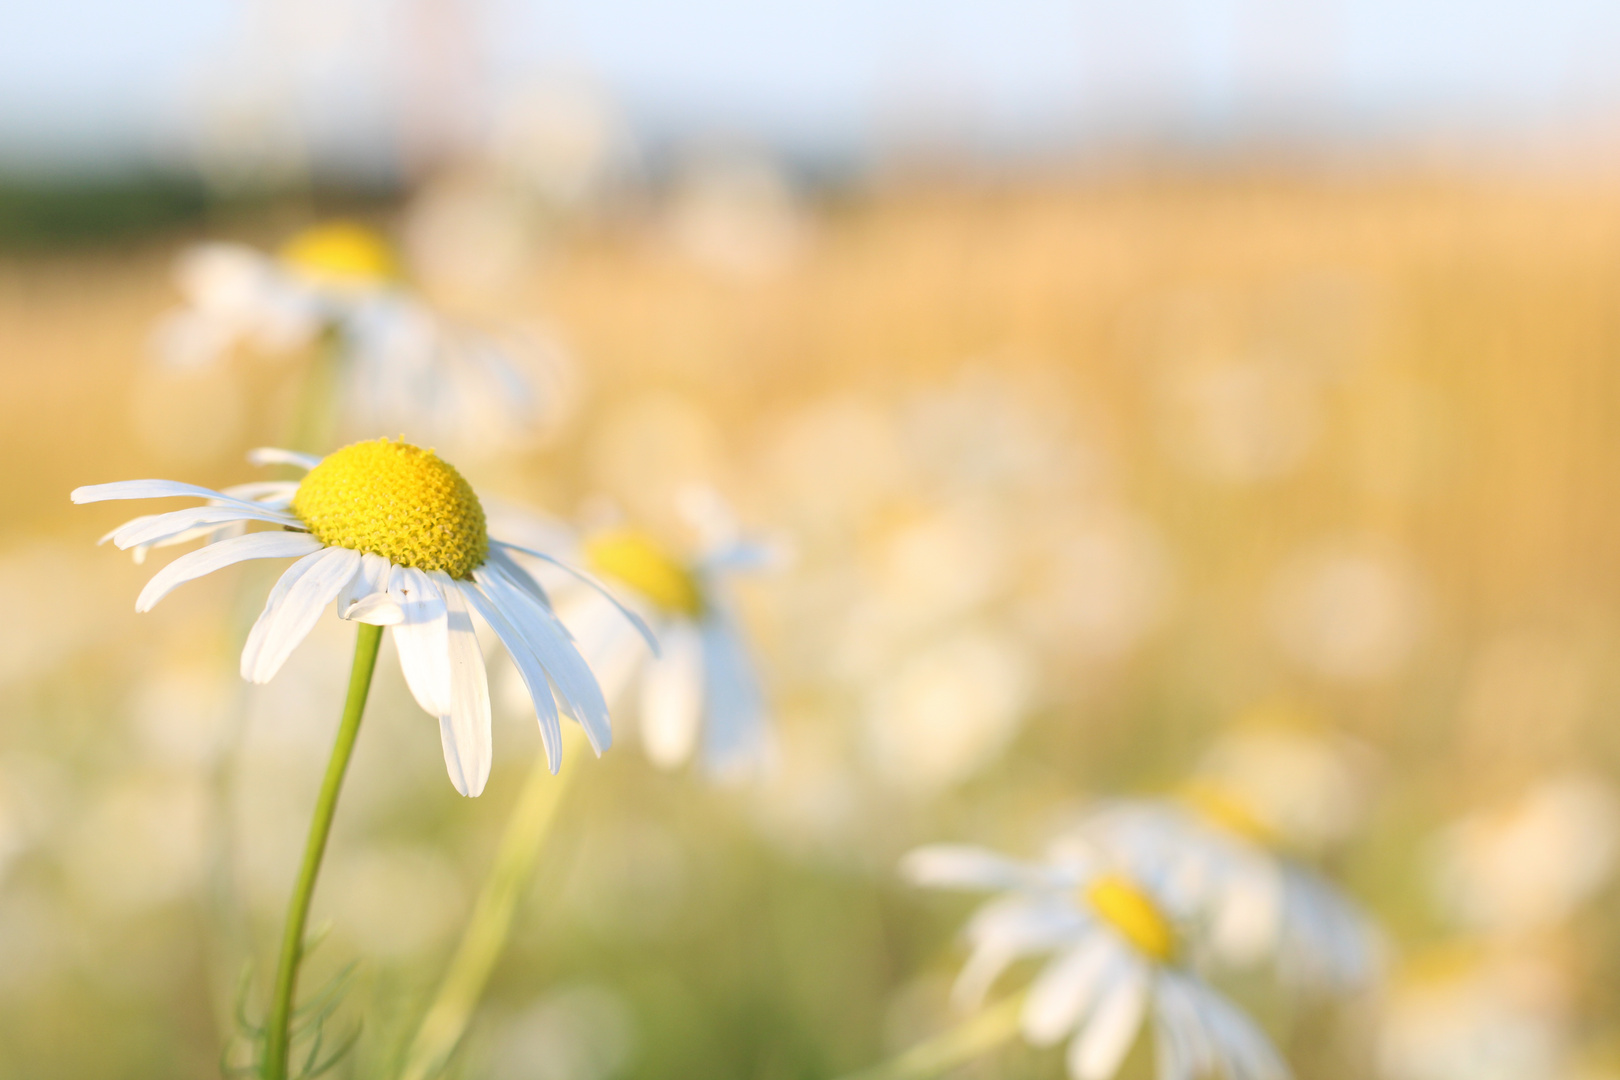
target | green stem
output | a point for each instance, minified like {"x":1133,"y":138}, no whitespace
{"x":952,"y":1047}
{"x":491,"y":922}
{"x":315,"y":415}
{"x":277,"y":1027}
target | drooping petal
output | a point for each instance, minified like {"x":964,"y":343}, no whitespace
{"x":365,"y":598}
{"x":294,"y":605}
{"x":1100,"y":1048}
{"x":1243,"y":1049}
{"x":1006,"y":930}
{"x":422,"y":638}
{"x":635,"y":620}
{"x":552,"y":643}
{"x":275,"y":455}
{"x":465,"y":729}
{"x":737,"y":733}
{"x":194,"y":564}
{"x":672,"y":696}
{"x":1067,"y":988}
{"x":528,"y":665}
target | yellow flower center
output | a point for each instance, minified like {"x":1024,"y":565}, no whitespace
{"x":342,"y":253}
{"x":398,"y":501}
{"x":639,"y":562}
{"x":1138,"y":919}
{"x":1226,"y":809}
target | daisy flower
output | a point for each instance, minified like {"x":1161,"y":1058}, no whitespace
{"x":1272,"y":789}
{"x":1527,"y":866}
{"x":1255,"y":901}
{"x":400,"y":364}
{"x":700,"y":696}
{"x":1117,"y":955}
{"x":395,"y":537}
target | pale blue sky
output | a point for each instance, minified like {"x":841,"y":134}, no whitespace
{"x":111,"y":79}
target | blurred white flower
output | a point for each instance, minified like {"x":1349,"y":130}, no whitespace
{"x":1348,"y":612}
{"x":1461,"y":1016}
{"x":1254,"y":902}
{"x":738,"y":215}
{"x":1531,"y":864}
{"x":948,"y":709}
{"x":1241,"y":422}
{"x":1118,"y":956}
{"x":400,"y":365}
{"x":579,"y":1032}
{"x":1104,"y":583}
{"x":1278,"y":774}
{"x":700,"y":696}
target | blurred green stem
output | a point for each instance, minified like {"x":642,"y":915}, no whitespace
{"x":277,"y":1027}
{"x":491,"y":922}
{"x":951,"y":1048}
{"x":315,"y":416}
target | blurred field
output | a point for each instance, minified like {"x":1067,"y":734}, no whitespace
{"x":1136,"y":452}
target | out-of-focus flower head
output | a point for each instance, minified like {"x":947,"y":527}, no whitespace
{"x":1114,"y":926}
{"x":1529,"y":865}
{"x":1252,"y":902}
{"x":699,"y":696}
{"x":1279,"y":775}
{"x":1458,"y":1013}
{"x":399,"y":364}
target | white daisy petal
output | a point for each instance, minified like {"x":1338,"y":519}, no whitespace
{"x":365,"y":598}
{"x":672,"y":696}
{"x":276,"y":494}
{"x":737,"y":727}
{"x":194,"y":564}
{"x":1100,"y":1048}
{"x":147,"y":489}
{"x":962,"y":866}
{"x":422,"y":638}
{"x":516,"y":572}
{"x":635,"y":620}
{"x":1182,"y":1024}
{"x":294,"y":605}
{"x":1244,"y":1050}
{"x":159,"y":527}
{"x":274,"y":455}
{"x":1063,"y":993}
{"x":529,"y":667}
{"x":465,"y":729}
{"x":551,"y":642}
{"x":1006,"y":930}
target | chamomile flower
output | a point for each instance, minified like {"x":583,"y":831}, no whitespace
{"x":700,"y":697}
{"x":1525,"y":867}
{"x":395,"y":537}
{"x":1256,"y":901}
{"x":400,"y":364}
{"x":1114,"y":931}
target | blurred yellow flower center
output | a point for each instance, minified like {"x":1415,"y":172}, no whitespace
{"x":639,"y":562}
{"x":341,"y":253}
{"x":398,"y":501}
{"x":1138,"y":919}
{"x":1227,"y":810}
